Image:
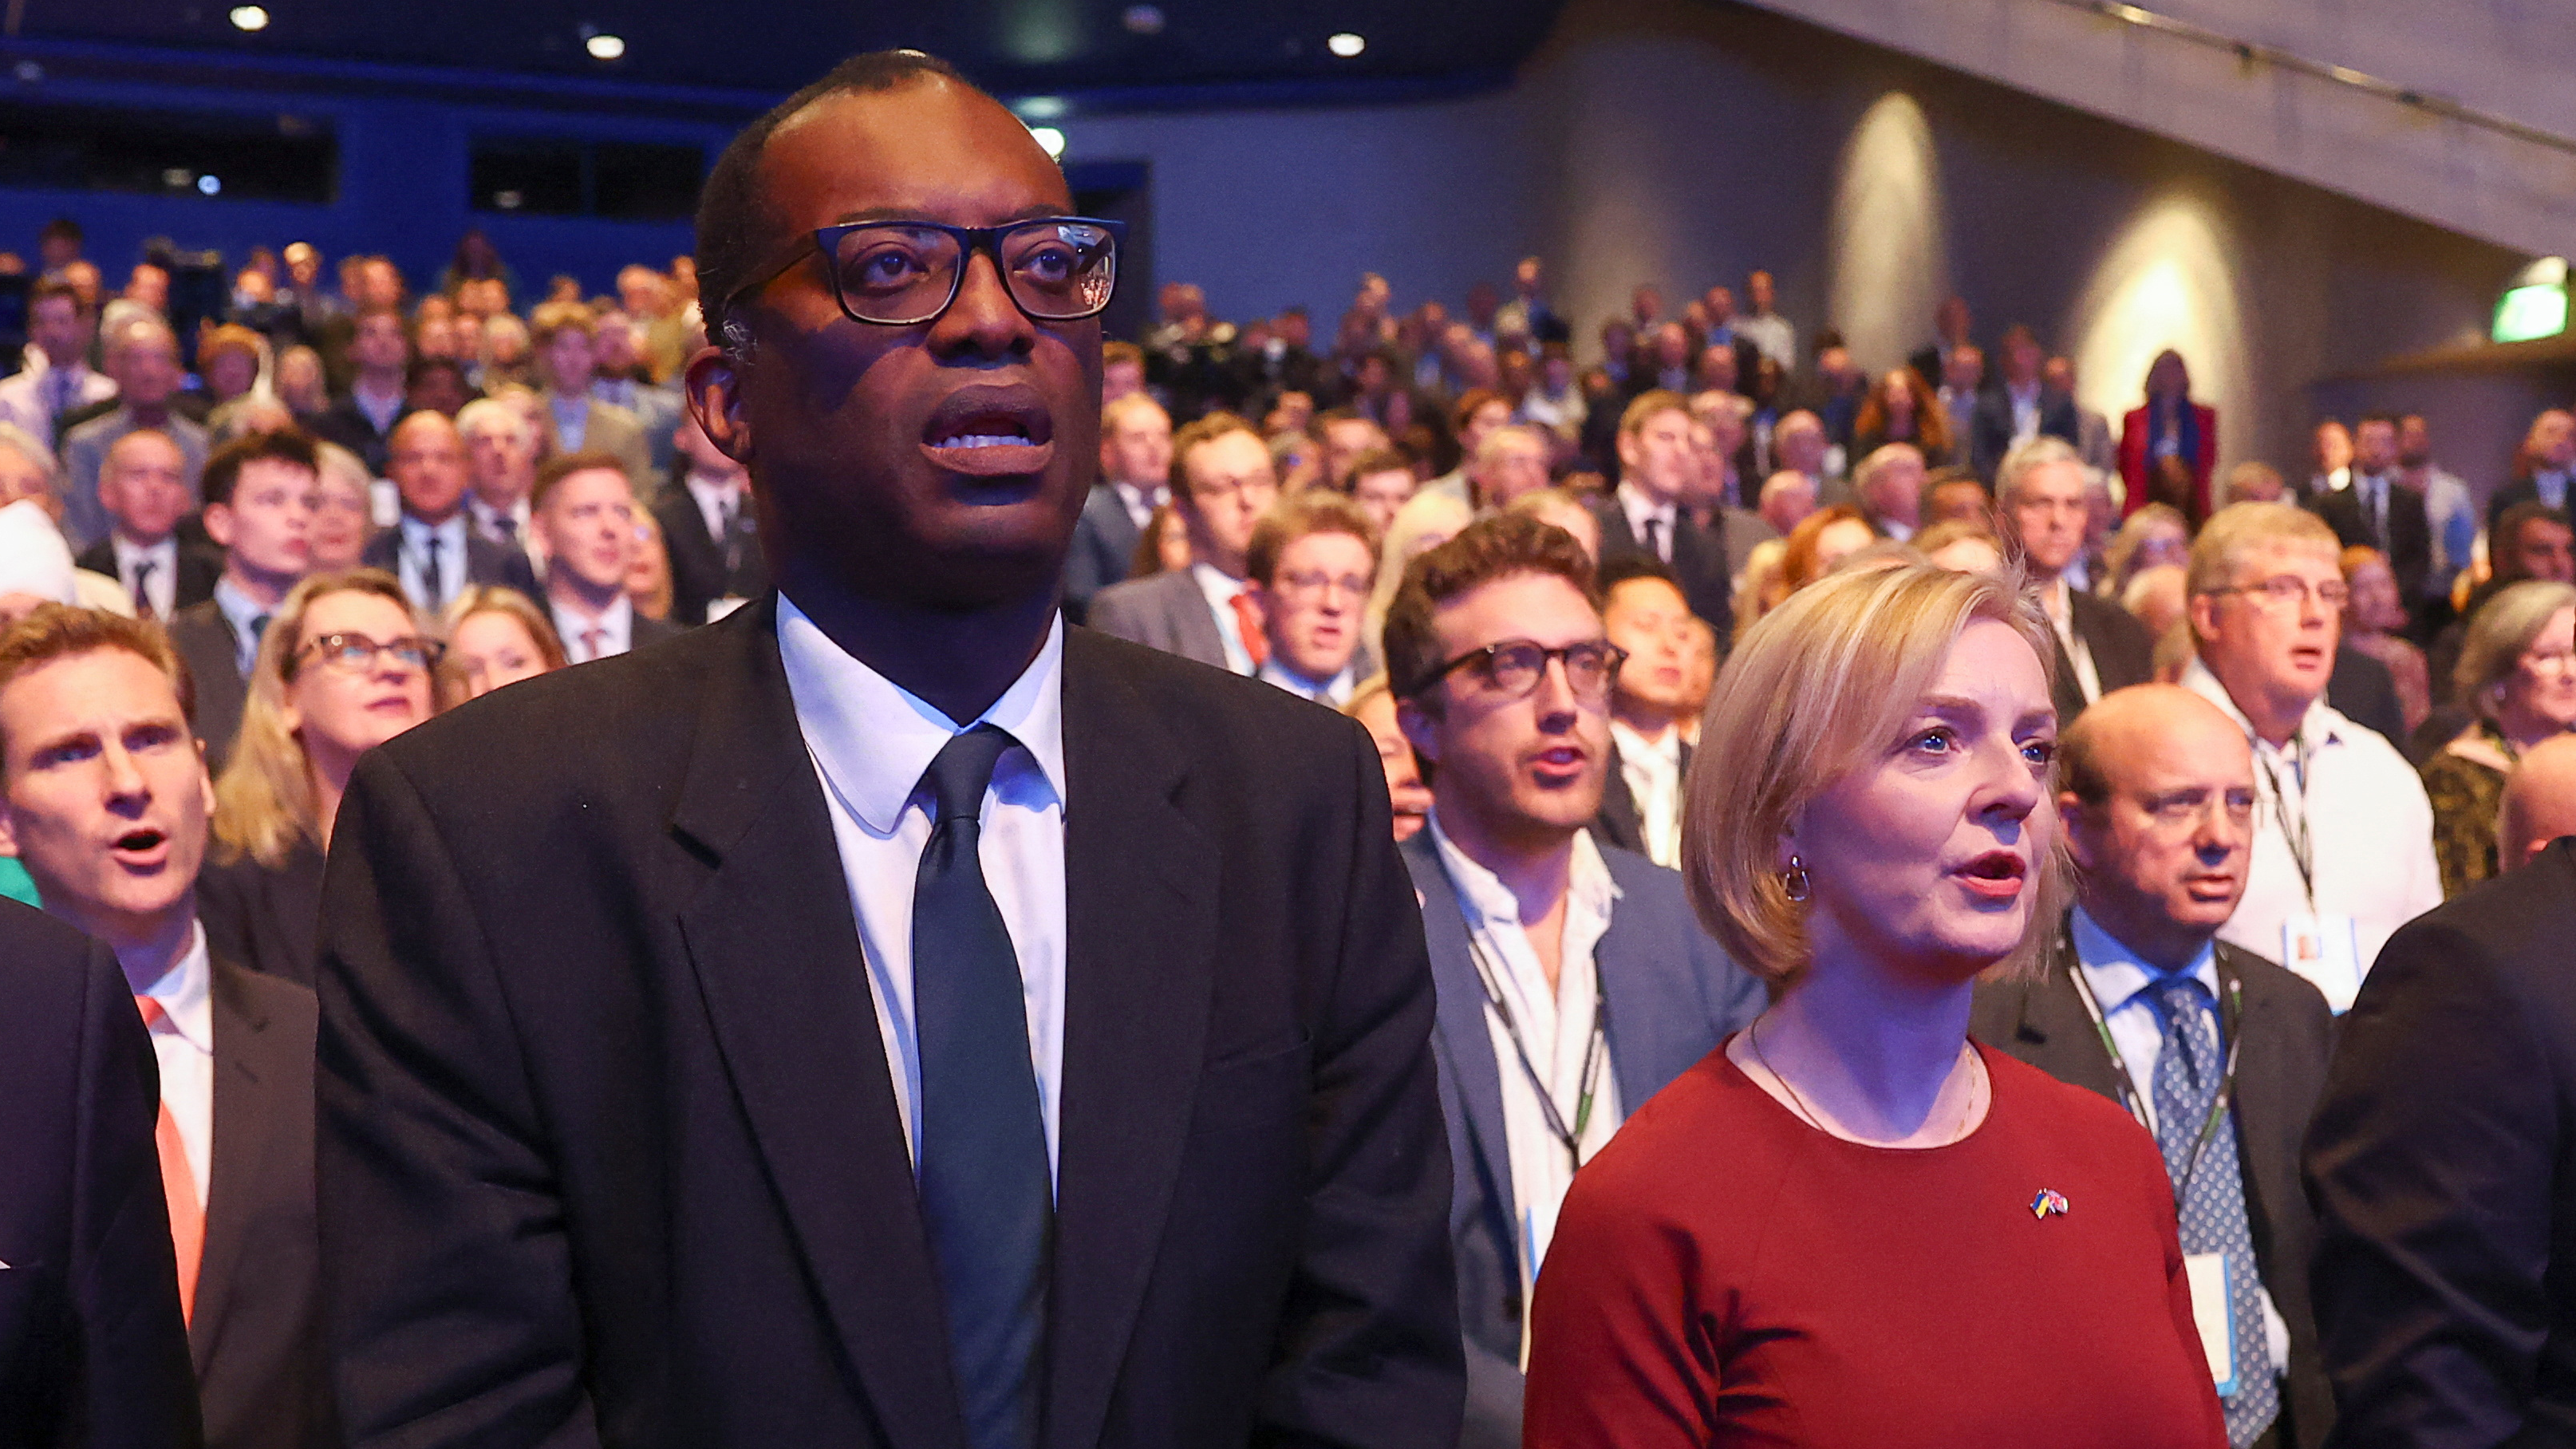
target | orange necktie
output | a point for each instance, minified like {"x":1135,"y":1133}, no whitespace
{"x":1247,"y":622}
{"x":179,"y":1185}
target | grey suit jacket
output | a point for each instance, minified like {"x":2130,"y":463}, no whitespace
{"x":1673,"y":997}
{"x":2280,"y":1074}
{"x":1104,"y":546}
{"x":85,"y":520}
{"x":1161,"y":611}
{"x":204,"y":639}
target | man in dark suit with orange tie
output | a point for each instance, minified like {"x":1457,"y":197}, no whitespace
{"x":886,"y":1016}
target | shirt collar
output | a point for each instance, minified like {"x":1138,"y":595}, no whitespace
{"x":1322,"y":691}
{"x":238,"y":608}
{"x":127,"y":551}
{"x":1639,"y":507}
{"x":2319,"y":727}
{"x":183,"y":993}
{"x":1634,"y":746}
{"x":2116,"y":974}
{"x":1588,"y":886}
{"x":1213,"y":582}
{"x":873,"y":739}
{"x":417,"y":530}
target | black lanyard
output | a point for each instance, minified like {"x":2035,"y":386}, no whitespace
{"x":2231,"y":1013}
{"x":2294,"y":833}
{"x":1593,"y":1046}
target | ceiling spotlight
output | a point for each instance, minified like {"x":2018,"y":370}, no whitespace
{"x":1049,"y":139}
{"x":1142,"y":19}
{"x":1041,"y":108}
{"x":1345,"y":44}
{"x":209,"y":185}
{"x":605,"y":47}
{"x":249,"y":17}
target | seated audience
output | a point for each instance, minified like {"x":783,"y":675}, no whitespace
{"x":146,"y":487}
{"x":1888,"y":486}
{"x":1542,"y":937}
{"x":1641,"y":795}
{"x":2539,"y":802}
{"x":2020,"y":408}
{"x":229,"y":361}
{"x":2159,"y":597}
{"x":433,"y":549}
{"x":711,"y":531}
{"x":345,"y":666}
{"x":1221,"y":485}
{"x":1426,"y":521}
{"x":2542,"y":469}
{"x":1381,"y":484}
{"x":2170,"y":429}
{"x":1565,"y":508}
{"x":143,"y":358}
{"x":1509,"y":463}
{"x":1135,"y":469}
{"x":2040,"y":497}
{"x":2154,"y":536}
{"x":2217,"y":1052}
{"x":344,"y":518}
{"x":495,"y":636}
{"x":2379,"y":512}
{"x":2517,"y":679}
{"x":298,"y":380}
{"x":1903,"y":409}
{"x":2330,"y":455}
{"x":1955,"y":493}
{"x":106,"y":804}
{"x":502,"y":449}
{"x":1788,"y":498}
{"x":1164,"y":546}
{"x":565,"y":339}
{"x":1961,"y":546}
{"x":59,"y":328}
{"x":363,"y":419}
{"x":1348,"y":437}
{"x":2343,"y":853}
{"x":1815,"y":547}
{"x":1311,"y":564}
{"x":2374,"y":622}
{"x":2437,"y":1163}
{"x":2252,"y":482}
{"x":1656,"y":469}
{"x":1873,"y":887}
{"x":262,"y":493}
{"x":1799,"y":445}
{"x":584,"y":516}
{"x":1373,"y":705}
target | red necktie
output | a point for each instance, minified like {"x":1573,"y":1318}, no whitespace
{"x":178,"y":1185}
{"x":1247,"y":622}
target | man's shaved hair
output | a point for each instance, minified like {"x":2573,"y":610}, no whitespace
{"x":735,"y":225}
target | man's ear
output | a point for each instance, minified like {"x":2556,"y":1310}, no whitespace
{"x":219,"y":524}
{"x":8,"y":831}
{"x":714,"y":384}
{"x":1416,"y":725}
{"x":2077,"y":826}
{"x":2203,"y":613}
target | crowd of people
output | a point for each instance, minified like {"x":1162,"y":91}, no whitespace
{"x":1839,"y":868}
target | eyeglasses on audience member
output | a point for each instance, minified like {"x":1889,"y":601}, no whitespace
{"x":356,"y":653}
{"x":2283,"y":591}
{"x":1513,"y":667}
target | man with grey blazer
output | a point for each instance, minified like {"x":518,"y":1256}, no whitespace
{"x":1135,"y":468}
{"x":1208,"y":611}
{"x":1572,"y":983}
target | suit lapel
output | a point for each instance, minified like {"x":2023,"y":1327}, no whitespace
{"x":1194,"y":622}
{"x":775,"y":949}
{"x":253,"y":1106}
{"x":1467,"y":1047}
{"x":2059,"y":1033}
{"x":2257,"y":1105}
{"x":1141,"y":889}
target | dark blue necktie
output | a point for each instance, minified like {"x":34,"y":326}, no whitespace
{"x":986,"y":1194}
{"x":2209,"y":1190}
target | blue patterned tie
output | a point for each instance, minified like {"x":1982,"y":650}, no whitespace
{"x":986,"y":1196}
{"x":2211,"y":1202}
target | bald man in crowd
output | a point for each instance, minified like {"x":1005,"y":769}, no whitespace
{"x":143,"y":358}
{"x":435,"y":549}
{"x":2539,"y":801}
{"x":2158,"y":797}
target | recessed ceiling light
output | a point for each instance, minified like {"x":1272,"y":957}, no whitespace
{"x":249,"y":17}
{"x":605,"y":47}
{"x":1346,"y":44}
{"x":1041,"y":108}
{"x":1049,"y":139}
{"x":209,"y":185}
{"x":1142,"y":19}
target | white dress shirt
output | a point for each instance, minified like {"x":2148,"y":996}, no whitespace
{"x":411,"y":559}
{"x":161,"y":585}
{"x":1652,"y":771}
{"x":1140,"y":503}
{"x":1641,"y":509}
{"x":1555,"y":1027}
{"x":2368,"y":824}
{"x":2118,"y":980}
{"x":871,"y":740}
{"x":2025,"y":410}
{"x":183,"y":1042}
{"x":714,"y":499}
{"x":244,"y":614}
{"x":586,"y":638}
{"x":2055,"y":600}
{"x":1220,"y":591}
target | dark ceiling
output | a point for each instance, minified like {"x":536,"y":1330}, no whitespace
{"x":1094,"y":51}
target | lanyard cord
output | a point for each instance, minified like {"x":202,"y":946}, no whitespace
{"x":2231,"y":1016}
{"x":1594,"y":1043}
{"x":2302,"y":844}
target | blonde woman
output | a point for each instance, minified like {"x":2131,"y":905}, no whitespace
{"x":495,"y":636}
{"x":344,"y":667}
{"x":2517,"y":677}
{"x":1426,"y":521}
{"x":1850,"y":1225}
{"x":344,"y":517}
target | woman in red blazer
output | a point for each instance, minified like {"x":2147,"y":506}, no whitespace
{"x":2169,"y":447}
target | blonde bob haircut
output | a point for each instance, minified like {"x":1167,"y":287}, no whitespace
{"x":1817,"y":690}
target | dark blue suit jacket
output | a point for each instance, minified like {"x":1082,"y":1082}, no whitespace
{"x":1104,"y":548}
{"x":1673,"y":996}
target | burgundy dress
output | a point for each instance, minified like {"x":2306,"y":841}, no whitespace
{"x":1725,"y":1274}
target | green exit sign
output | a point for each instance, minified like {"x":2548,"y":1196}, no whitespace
{"x":2534,"y":311}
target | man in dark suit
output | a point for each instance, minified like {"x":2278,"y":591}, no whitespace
{"x":710,"y":530}
{"x":145,"y":488}
{"x":1641,"y":794}
{"x":2039,"y":501}
{"x":583,"y":509}
{"x":2442,"y":1163}
{"x":1951,"y":328}
{"x":1524,"y":909}
{"x":362,"y":419}
{"x":1657,"y":467}
{"x":2364,"y":691}
{"x":2379,"y":512}
{"x":93,"y":1353}
{"x":2544,"y":469}
{"x":106,"y":805}
{"x":2018,"y":408}
{"x":262,"y":491}
{"x":1135,"y":469}
{"x":433,"y":548}
{"x":645,"y":1049}
{"x":1222,"y":483}
{"x":2157,"y":792}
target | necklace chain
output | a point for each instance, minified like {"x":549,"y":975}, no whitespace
{"x":1753,"y":1034}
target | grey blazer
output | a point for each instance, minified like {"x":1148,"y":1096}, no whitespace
{"x":1104,"y":545}
{"x":1672,"y":998}
{"x":1161,"y":611}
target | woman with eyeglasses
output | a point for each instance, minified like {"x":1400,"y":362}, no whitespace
{"x":345,"y":666}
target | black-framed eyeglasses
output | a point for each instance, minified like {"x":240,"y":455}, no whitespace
{"x":357,"y":653}
{"x":904,"y":273}
{"x":1514,"y":667}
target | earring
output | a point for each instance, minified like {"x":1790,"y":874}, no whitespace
{"x":1793,"y":881}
